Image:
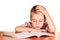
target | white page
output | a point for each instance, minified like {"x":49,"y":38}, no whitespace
{"x":38,"y":34}
{"x":23,"y":35}
{"x":33,"y":33}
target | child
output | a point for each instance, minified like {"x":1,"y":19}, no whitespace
{"x":39,"y":21}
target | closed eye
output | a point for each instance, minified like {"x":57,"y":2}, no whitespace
{"x":40,"y":21}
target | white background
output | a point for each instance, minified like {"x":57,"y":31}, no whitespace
{"x":16,"y":12}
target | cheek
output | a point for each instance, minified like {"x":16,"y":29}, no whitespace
{"x":41,"y":24}
{"x":33,"y":24}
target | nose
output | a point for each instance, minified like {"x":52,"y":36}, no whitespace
{"x":37,"y":23}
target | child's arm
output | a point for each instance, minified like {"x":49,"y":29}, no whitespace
{"x":23,"y":29}
{"x":19,"y":29}
{"x":51,"y":27}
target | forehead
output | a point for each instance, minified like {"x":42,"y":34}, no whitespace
{"x":37,"y":16}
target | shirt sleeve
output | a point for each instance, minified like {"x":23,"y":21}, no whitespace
{"x":26,"y":24}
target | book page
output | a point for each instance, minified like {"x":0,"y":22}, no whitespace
{"x":33,"y":33}
{"x":23,"y":35}
{"x":38,"y":34}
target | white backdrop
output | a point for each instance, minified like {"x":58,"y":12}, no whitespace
{"x":16,"y":12}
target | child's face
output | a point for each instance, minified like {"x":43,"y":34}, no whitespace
{"x":37,"y":20}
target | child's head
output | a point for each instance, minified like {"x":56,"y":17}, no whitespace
{"x":37,"y":17}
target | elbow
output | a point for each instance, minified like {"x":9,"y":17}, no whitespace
{"x":52,"y":31}
{"x":17,"y":29}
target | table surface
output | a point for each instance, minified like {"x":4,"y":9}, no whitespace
{"x":56,"y":37}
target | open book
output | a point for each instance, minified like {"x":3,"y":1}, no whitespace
{"x":33,"y":33}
